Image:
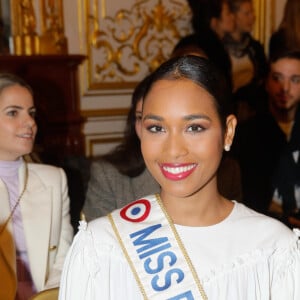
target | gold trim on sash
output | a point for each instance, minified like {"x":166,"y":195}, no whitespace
{"x":185,"y":254}
{"x":127,"y":257}
{"x":179,"y":242}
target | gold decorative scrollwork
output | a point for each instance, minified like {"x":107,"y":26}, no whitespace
{"x":24,"y":27}
{"x":124,"y":47}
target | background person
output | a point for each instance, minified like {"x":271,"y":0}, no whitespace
{"x":35,"y":229}
{"x":248,"y":59}
{"x":120,"y":176}
{"x":262,"y":142}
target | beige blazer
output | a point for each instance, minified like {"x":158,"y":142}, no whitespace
{"x":48,"y":231}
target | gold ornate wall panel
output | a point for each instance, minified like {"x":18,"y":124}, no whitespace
{"x":29,"y":38}
{"x":127,"y":43}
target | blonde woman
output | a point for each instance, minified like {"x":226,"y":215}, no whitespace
{"x":35,"y":229}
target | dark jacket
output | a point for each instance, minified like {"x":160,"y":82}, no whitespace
{"x":259,"y":146}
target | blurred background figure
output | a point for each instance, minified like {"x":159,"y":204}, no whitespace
{"x":35,"y":228}
{"x":287,"y":36}
{"x":267,"y":145}
{"x":249,"y":63}
{"x":120,"y":176}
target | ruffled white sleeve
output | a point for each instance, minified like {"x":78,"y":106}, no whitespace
{"x":96,"y":269}
{"x":286,"y":270}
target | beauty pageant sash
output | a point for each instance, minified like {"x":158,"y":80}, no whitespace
{"x":155,"y":252}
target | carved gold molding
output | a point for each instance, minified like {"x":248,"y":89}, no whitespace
{"x":26,"y":40}
{"x":132,"y":42}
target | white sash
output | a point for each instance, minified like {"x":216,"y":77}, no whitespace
{"x":155,"y":252}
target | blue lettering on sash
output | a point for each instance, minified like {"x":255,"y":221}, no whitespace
{"x":146,"y":247}
{"x":168,"y":282}
{"x":187,"y":295}
{"x":160,"y":262}
{"x":150,"y":243}
{"x":156,"y":250}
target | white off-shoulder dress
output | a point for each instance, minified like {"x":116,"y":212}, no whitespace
{"x":247,"y":256}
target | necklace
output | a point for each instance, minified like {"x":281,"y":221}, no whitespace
{"x":17,"y":202}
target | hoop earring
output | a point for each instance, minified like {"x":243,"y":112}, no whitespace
{"x":227,"y":148}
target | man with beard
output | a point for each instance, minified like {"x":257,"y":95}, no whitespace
{"x":267,"y":145}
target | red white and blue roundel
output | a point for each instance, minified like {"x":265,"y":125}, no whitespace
{"x":136,"y":211}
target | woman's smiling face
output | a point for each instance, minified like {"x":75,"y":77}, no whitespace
{"x":181,"y":137}
{"x":17,"y":124}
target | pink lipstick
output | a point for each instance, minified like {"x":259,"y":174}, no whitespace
{"x":177,"y":171}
